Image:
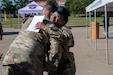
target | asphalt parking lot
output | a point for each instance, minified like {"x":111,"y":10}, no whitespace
{"x":88,"y":60}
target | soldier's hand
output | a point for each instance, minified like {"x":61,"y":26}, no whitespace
{"x":40,"y":25}
{"x":50,"y":57}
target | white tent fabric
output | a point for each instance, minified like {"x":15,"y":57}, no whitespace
{"x":101,"y":5}
{"x":96,"y":4}
{"x":32,"y":7}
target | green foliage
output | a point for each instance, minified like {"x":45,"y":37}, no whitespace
{"x":51,"y":2}
{"x":10,"y":7}
{"x":77,"y":6}
{"x":74,"y":6}
{"x":21,"y":3}
{"x":68,"y":4}
{"x":7,"y":6}
{"x":87,"y":2}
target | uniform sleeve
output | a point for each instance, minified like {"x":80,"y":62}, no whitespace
{"x":27,"y":23}
{"x":68,"y":36}
{"x":55,"y":42}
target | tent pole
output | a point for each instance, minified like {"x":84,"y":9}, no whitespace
{"x":86,"y":26}
{"x":90,"y":26}
{"x":18,"y":20}
{"x":95,"y":29}
{"x":107,"y":56}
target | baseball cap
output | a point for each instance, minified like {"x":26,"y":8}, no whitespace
{"x":63,"y":10}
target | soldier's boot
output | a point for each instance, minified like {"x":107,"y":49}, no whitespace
{"x":1,"y":54}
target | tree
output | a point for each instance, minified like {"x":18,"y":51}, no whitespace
{"x":87,"y":2}
{"x":51,"y":2}
{"x":7,"y":6}
{"x":77,"y":6}
{"x":21,"y":3}
{"x":68,"y":4}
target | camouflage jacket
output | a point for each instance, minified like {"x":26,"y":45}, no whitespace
{"x":29,"y":46}
{"x":61,"y":34}
{"x":26,"y":46}
{"x":69,"y":40}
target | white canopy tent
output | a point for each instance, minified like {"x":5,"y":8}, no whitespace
{"x":32,"y":7}
{"x":99,"y":5}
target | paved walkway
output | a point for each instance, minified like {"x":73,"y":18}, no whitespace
{"x":88,"y":60}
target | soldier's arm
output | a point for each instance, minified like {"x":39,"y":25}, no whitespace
{"x":68,"y":36}
{"x":55,"y":43}
{"x":55,"y":39}
{"x":27,"y":23}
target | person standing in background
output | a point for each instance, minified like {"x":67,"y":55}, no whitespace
{"x":1,"y":31}
{"x":1,"y":36}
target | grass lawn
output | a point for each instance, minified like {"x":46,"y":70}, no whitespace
{"x":73,"y":21}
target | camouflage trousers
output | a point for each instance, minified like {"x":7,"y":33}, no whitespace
{"x":66,"y":66}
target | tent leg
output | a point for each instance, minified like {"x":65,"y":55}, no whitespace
{"x":18,"y":20}
{"x":86,"y":26}
{"x":107,"y":54}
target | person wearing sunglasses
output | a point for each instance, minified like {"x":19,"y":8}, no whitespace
{"x":58,"y":19}
{"x":66,"y":65}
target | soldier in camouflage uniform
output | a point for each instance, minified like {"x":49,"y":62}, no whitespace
{"x":67,"y":63}
{"x":53,"y":55}
{"x":26,"y":53}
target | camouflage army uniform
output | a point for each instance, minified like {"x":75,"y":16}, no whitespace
{"x":1,"y":31}
{"x":54,"y":49}
{"x":26,"y":53}
{"x":67,"y":62}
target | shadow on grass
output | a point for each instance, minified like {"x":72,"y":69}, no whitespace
{"x":10,"y":33}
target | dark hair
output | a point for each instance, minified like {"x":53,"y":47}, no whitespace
{"x":65,"y":18}
{"x":53,"y":7}
{"x":64,"y":12}
{"x":50,"y":7}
